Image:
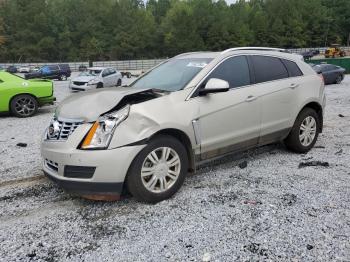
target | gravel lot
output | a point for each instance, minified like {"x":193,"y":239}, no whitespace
{"x":272,"y":209}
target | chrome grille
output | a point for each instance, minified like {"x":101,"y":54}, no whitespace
{"x":61,"y":130}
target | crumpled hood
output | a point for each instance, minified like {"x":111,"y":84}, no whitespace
{"x":89,"y":105}
{"x":84,"y":79}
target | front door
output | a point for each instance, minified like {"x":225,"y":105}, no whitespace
{"x":229,"y":121}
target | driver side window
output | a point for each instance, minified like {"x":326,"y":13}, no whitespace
{"x":234,"y":70}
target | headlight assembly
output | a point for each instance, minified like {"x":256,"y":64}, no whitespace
{"x":101,"y":132}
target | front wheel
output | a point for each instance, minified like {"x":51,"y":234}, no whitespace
{"x":304,"y":133}
{"x":158,"y":171}
{"x":24,"y":106}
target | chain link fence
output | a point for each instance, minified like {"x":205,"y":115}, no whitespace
{"x":137,"y":65}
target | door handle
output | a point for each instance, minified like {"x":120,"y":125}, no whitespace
{"x":292,"y":86}
{"x":250,"y":98}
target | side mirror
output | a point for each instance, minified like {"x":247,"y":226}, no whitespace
{"x":214,"y":85}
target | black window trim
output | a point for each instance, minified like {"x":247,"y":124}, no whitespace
{"x":195,"y":92}
{"x":280,"y":58}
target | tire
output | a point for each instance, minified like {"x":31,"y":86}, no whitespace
{"x":338,"y":79}
{"x":119,"y":83}
{"x":295,"y":141}
{"x":63,"y":77}
{"x":128,"y":75}
{"x":24,"y":106}
{"x":137,"y":184}
{"x":99,"y":85}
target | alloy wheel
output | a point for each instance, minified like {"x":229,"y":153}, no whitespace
{"x":25,"y":106}
{"x":160,"y":169}
{"x":307,"y":131}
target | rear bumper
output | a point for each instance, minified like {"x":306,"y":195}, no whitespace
{"x":46,"y":100}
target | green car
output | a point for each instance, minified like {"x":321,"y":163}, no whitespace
{"x":23,"y":97}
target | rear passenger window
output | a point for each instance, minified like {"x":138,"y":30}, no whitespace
{"x":268,"y":68}
{"x":292,"y":68}
{"x":234,"y":70}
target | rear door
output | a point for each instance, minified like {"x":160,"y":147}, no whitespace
{"x":278,"y":93}
{"x":229,"y":121}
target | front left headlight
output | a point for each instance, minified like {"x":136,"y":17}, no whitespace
{"x":101,"y":132}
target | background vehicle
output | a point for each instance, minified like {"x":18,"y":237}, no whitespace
{"x":60,"y":72}
{"x":191,"y":108}
{"x":334,"y":51}
{"x":96,"y":77}
{"x":309,"y":54}
{"x":11,"y":69}
{"x":1,"y":68}
{"x":21,"y":97}
{"x":332,"y":74}
{"x":24,"y":69}
{"x":82,"y":68}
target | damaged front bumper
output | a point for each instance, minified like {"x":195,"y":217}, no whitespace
{"x":87,"y":172}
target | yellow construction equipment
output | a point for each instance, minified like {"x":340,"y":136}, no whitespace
{"x":334,"y":51}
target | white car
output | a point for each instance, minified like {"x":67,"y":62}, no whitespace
{"x":192,"y":108}
{"x":96,"y":77}
{"x":24,"y":69}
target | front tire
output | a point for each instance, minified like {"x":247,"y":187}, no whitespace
{"x":63,"y":77}
{"x":24,"y":106}
{"x":304,"y":133}
{"x":158,"y":171}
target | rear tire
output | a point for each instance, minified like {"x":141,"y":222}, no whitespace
{"x":119,"y":83}
{"x":338,"y":79}
{"x":24,"y":106}
{"x":304,"y":133}
{"x":158,"y":171}
{"x":63,"y":77}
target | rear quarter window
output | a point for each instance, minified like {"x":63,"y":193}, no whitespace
{"x":267,"y":68}
{"x":292,"y":67}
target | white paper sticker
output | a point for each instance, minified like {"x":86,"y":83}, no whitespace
{"x":197,"y":64}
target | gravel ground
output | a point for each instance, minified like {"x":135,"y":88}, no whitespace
{"x":261,"y":205}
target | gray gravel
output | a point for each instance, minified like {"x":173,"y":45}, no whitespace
{"x":267,"y":208}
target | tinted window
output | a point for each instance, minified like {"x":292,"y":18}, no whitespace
{"x":53,"y":67}
{"x":112,"y":71}
{"x":234,"y":70}
{"x":293,"y":69}
{"x":268,"y":68}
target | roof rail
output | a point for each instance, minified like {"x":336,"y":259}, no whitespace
{"x":255,"y":48}
{"x":191,"y":53}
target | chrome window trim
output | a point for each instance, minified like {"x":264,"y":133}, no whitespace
{"x":190,"y":96}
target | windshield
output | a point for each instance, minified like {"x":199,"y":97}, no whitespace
{"x":90,"y":73}
{"x":173,"y":75}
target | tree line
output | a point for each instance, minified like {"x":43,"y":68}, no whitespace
{"x":75,"y":30}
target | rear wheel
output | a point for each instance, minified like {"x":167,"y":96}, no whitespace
{"x":119,"y":83}
{"x":24,"y":106}
{"x":338,"y":79}
{"x":304,"y":133}
{"x":63,"y":77}
{"x":158,"y":171}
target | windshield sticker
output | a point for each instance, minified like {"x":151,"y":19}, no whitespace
{"x":197,"y":64}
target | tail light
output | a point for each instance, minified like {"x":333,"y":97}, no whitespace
{"x":322,"y":78}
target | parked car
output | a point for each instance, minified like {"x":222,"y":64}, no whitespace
{"x":310,"y":54}
{"x":11,"y":69}
{"x":187,"y":110}
{"x":82,"y":68}
{"x":60,"y":72}
{"x":24,"y":69}
{"x":1,"y":68}
{"x":96,"y":77}
{"x":23,"y":97}
{"x":332,"y":74}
